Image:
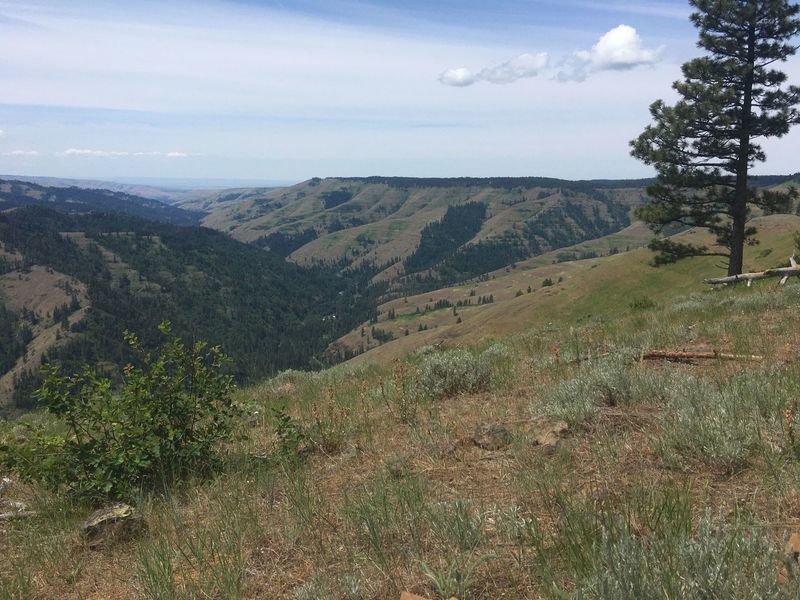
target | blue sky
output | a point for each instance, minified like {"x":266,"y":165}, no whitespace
{"x":289,"y":89}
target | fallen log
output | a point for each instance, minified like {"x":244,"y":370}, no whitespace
{"x":15,"y":510}
{"x":17,"y":515}
{"x":783,"y":272}
{"x":692,"y":355}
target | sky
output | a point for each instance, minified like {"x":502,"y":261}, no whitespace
{"x":285,"y":90}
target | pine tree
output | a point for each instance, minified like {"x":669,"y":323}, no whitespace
{"x":704,"y":146}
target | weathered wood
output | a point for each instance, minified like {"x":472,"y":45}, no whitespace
{"x":690,"y":355}
{"x":17,"y":515}
{"x":784,"y":273}
{"x":15,"y":510}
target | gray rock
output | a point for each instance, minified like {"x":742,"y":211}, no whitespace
{"x":114,"y":521}
{"x":550,"y":433}
{"x":491,"y":436}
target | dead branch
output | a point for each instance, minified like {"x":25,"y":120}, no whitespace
{"x":784,"y":273}
{"x":17,"y":515}
{"x":682,"y":355}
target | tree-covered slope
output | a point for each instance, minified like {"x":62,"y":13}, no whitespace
{"x":266,"y":313}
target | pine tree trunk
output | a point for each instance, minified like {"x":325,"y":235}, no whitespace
{"x":741,"y":193}
{"x":736,"y":260}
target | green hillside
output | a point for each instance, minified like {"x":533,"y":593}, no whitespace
{"x":421,"y":234}
{"x":381,"y":221}
{"x":545,"y":289}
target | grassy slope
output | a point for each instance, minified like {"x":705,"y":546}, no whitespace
{"x":394,"y":215}
{"x":592,"y":290}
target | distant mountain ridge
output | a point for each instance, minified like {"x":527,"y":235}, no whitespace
{"x":78,"y":266}
{"x":167,"y":190}
{"x":16,"y":194}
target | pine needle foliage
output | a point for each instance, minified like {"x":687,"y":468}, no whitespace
{"x":704,"y":146}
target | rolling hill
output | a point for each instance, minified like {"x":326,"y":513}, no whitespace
{"x":352,"y":222}
{"x":421,"y":234}
{"x":72,"y":279}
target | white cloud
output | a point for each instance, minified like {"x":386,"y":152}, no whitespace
{"x":524,"y":65}
{"x":620,"y":49}
{"x":86,"y":152}
{"x":461,"y":77}
{"x":2,"y":133}
{"x":22,"y":153}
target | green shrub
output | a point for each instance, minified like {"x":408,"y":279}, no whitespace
{"x":642,"y":303}
{"x":690,"y":303}
{"x":597,"y":382}
{"x":570,"y":400}
{"x":167,"y":421}
{"x":452,"y":372}
{"x":613,"y":381}
{"x":290,"y":434}
{"x":713,"y":424}
{"x":501,"y":362}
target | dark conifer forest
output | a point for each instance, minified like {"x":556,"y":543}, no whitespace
{"x":266,"y":313}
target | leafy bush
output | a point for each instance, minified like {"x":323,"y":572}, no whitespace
{"x":290,"y":434}
{"x":453,"y":372}
{"x":168,"y":420}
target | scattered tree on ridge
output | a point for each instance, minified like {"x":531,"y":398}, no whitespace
{"x":704,"y":146}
